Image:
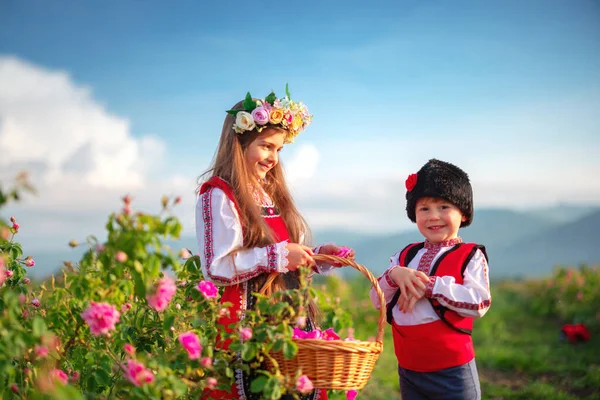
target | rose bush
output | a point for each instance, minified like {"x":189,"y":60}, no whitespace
{"x":133,"y":319}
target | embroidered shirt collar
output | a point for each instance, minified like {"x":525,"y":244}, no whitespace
{"x":445,"y":243}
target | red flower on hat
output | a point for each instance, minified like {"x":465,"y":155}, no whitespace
{"x":411,"y":182}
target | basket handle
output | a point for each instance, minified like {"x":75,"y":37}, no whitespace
{"x":346,"y":262}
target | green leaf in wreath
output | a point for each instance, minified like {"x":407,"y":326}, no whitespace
{"x":271,"y":98}
{"x":249,"y":104}
{"x":287,"y":91}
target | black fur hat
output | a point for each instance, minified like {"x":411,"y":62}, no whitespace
{"x":440,"y":179}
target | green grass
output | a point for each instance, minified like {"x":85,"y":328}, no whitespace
{"x":519,"y":354}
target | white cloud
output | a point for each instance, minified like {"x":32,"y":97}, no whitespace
{"x":48,"y":120}
{"x":82,"y":158}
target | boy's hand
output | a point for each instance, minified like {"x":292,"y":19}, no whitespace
{"x":407,"y":305}
{"x":409,"y":281}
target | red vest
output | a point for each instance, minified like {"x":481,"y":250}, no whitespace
{"x":444,"y":343}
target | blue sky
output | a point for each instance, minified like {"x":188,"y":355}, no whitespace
{"x":509,"y":90}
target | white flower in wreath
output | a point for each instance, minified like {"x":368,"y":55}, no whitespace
{"x":243,"y":122}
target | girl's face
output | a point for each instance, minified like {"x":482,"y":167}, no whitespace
{"x":438,"y":219}
{"x":263,"y":153}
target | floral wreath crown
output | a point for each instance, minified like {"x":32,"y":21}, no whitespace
{"x":258,"y":114}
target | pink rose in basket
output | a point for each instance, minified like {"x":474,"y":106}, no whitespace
{"x":329,"y":334}
{"x":351,"y":394}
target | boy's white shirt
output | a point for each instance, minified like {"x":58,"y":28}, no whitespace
{"x":472,"y":298}
{"x":227,"y":235}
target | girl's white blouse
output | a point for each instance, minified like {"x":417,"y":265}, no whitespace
{"x":224,"y":234}
{"x":472,"y":298}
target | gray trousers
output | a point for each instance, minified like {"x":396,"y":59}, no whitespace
{"x":456,"y":383}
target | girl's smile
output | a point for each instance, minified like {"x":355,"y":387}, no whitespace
{"x":263,"y":153}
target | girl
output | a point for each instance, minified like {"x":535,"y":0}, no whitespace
{"x":247,"y":225}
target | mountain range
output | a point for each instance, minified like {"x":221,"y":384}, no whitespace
{"x":519,"y":244}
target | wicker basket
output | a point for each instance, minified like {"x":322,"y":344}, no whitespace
{"x":335,"y":364}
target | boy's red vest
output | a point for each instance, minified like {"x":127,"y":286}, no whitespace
{"x":444,"y":343}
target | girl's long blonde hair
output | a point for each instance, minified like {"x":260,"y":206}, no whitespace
{"x":230,"y":165}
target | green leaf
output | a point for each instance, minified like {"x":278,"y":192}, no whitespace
{"x":248,"y":351}
{"x":272,"y":389}
{"x":38,"y":326}
{"x":233,"y":112}
{"x":258,"y":384}
{"x":249,"y":104}
{"x":102,"y":377}
{"x":290,"y":349}
{"x":287,"y":91}
{"x":271,"y":98}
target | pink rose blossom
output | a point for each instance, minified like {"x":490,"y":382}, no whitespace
{"x":9,"y":273}
{"x":208,"y":289}
{"x":246,"y":334}
{"x":137,"y":373}
{"x":304,"y":385}
{"x":301,"y":322}
{"x":343,"y":251}
{"x":163,"y":293}
{"x":16,"y":226}
{"x":351,"y":394}
{"x":125,"y":307}
{"x":14,"y":388}
{"x":127,"y":210}
{"x":13,"y":219}
{"x":35,"y":302}
{"x":127,"y":199}
{"x":26,"y":281}
{"x":211,"y":383}
{"x":29,"y":262}
{"x":260,"y":115}
{"x":101,"y":318}
{"x":185,"y":254}
{"x":329,"y":334}
{"x":206,"y":362}
{"x":191,"y":343}
{"x":59,"y":376}
{"x":129,"y":349}
{"x":22,"y":298}
{"x":75,"y":376}
{"x":41,"y":351}
{"x":121,"y":256}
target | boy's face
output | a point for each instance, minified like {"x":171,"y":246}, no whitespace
{"x":438,"y":219}
{"x":263,"y":153}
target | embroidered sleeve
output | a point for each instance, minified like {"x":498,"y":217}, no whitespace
{"x":387,"y":285}
{"x":472,"y":298}
{"x":219,"y":233}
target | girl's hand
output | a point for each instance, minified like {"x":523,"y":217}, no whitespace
{"x":409,"y":281}
{"x":340,"y":251}
{"x":299,"y":255}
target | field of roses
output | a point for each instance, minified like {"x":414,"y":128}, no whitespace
{"x":135,"y":319}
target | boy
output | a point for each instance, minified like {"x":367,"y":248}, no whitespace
{"x":434,"y":289}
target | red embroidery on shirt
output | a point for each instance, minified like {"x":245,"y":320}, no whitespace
{"x":209,"y":252}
